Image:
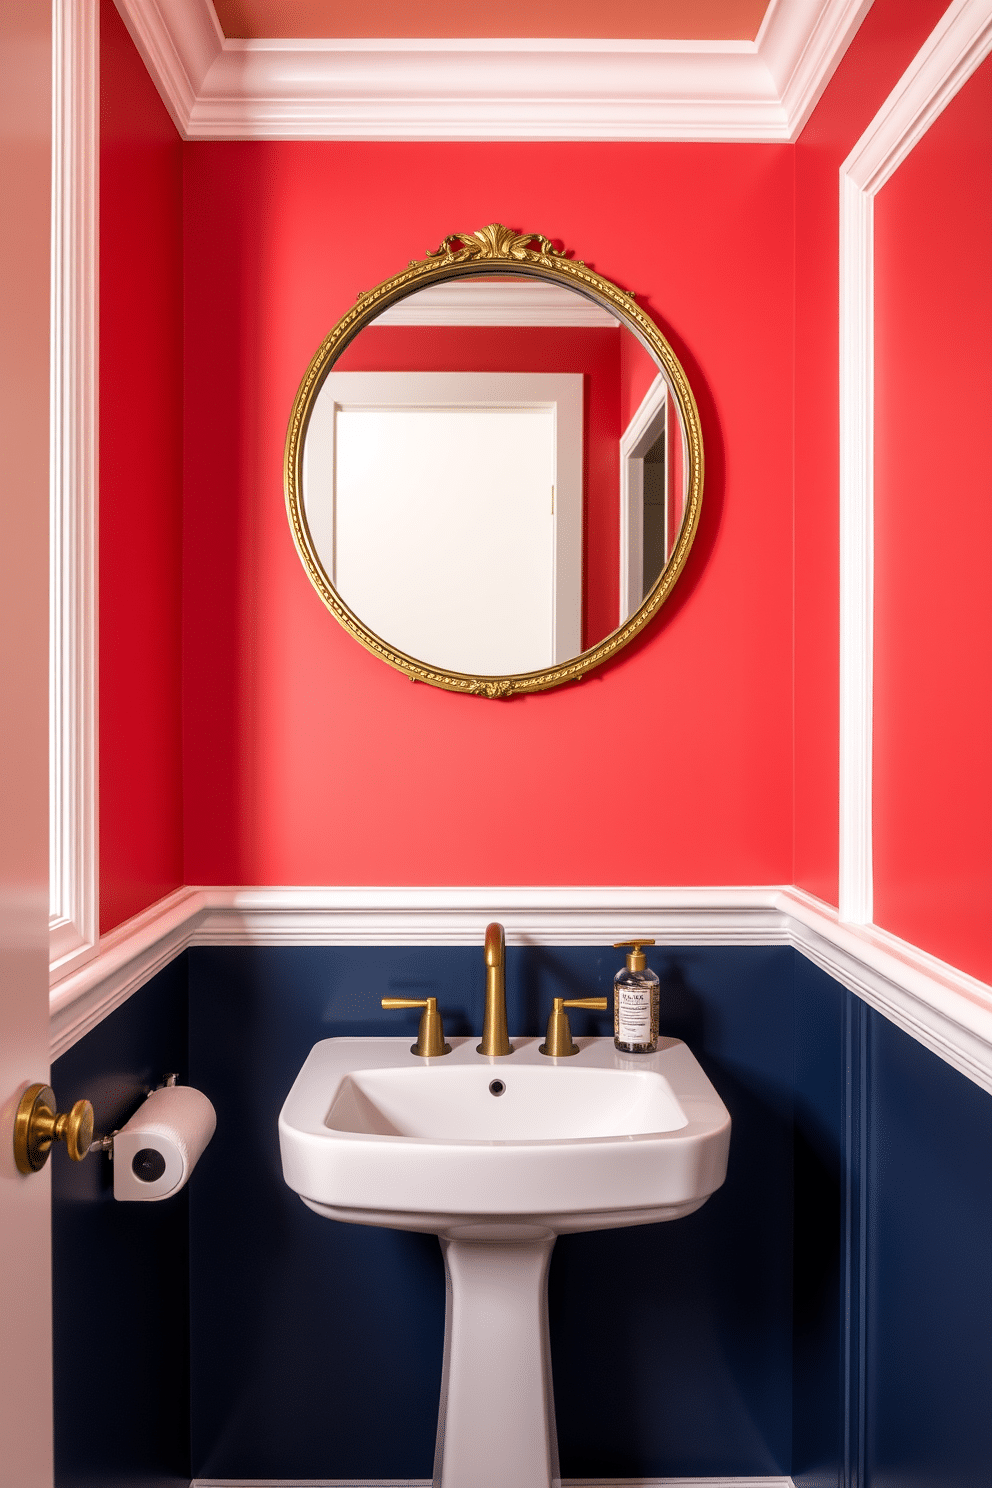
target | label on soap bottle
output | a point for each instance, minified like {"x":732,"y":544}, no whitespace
{"x":633,"y":1015}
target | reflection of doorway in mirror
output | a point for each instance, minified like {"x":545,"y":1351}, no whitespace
{"x":447,"y":511}
{"x":651,"y":494}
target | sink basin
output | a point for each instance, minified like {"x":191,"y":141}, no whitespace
{"x":371,"y":1136}
{"x":499,"y":1156}
{"x":458,"y":1105}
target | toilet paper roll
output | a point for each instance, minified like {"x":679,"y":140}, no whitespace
{"x":155,"y":1152}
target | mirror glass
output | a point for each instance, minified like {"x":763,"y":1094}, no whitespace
{"x":495,"y":474}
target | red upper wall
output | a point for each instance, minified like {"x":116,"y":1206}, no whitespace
{"x":141,"y":431}
{"x":305,"y":759}
{"x":933,"y":538}
{"x":308,"y":761}
{"x":890,"y":36}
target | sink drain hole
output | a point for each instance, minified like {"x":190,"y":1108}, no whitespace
{"x":496,"y":1087}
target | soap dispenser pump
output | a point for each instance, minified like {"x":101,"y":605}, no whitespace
{"x":636,"y":995}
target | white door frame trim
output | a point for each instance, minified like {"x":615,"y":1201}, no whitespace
{"x":74,"y":456}
{"x":635,"y":441}
{"x":957,"y":46}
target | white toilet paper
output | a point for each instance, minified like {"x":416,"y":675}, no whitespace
{"x":155,"y":1152}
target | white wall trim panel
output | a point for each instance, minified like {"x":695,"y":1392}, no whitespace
{"x":856,"y":555}
{"x":73,"y":679}
{"x":491,"y":89}
{"x":127,"y":957}
{"x":957,"y":46}
{"x":945,"y":1009}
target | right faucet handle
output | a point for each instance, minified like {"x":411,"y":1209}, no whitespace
{"x":558,"y":1039}
{"x":430,"y":1035}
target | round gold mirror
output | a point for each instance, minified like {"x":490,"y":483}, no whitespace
{"x":494,"y":467}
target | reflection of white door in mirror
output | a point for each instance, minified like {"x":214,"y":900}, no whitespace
{"x":475,"y":479}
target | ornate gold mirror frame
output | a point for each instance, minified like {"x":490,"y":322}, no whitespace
{"x":494,"y":249}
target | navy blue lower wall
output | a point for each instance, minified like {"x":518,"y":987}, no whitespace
{"x":928,"y":1306}
{"x":828,"y":1313}
{"x":120,"y":1272}
{"x":303,"y":1328}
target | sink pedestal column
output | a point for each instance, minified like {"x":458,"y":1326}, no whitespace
{"x":496,"y":1426}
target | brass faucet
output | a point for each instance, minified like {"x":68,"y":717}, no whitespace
{"x":494,"y":1039}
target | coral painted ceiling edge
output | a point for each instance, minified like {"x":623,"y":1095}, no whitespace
{"x":692,"y":20}
{"x":498,"y":89}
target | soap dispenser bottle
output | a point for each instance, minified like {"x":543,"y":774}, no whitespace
{"x":636,"y":990}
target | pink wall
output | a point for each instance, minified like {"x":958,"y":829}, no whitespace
{"x":933,"y":538}
{"x":141,"y":345}
{"x":306,"y":760}
{"x":591,"y":351}
{"x":891,"y":34}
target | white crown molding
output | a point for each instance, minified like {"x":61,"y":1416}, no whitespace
{"x":512,"y":302}
{"x":491,"y":89}
{"x":801,"y":43}
{"x":179,"y":40}
{"x":948,"y":1011}
{"x":957,"y":46}
{"x":73,"y":679}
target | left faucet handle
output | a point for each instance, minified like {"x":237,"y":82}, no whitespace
{"x":430,"y":1035}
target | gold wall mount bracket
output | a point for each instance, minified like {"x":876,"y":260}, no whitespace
{"x":430,"y":1035}
{"x":558,"y":1042}
{"x":38,"y":1125}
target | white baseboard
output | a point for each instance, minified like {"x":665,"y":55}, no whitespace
{"x":945,"y":1009}
{"x":426,"y":1483}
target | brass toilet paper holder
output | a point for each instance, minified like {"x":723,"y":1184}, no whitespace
{"x":38,"y":1125}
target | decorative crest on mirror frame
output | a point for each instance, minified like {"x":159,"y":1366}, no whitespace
{"x":460,"y":255}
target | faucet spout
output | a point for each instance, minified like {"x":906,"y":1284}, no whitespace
{"x":494,"y":1037}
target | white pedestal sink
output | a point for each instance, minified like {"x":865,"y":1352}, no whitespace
{"x":498,"y":1157}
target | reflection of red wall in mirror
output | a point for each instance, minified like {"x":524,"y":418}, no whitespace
{"x":593,"y":352}
{"x":638,"y":371}
{"x":933,"y":570}
{"x":141,"y":433}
